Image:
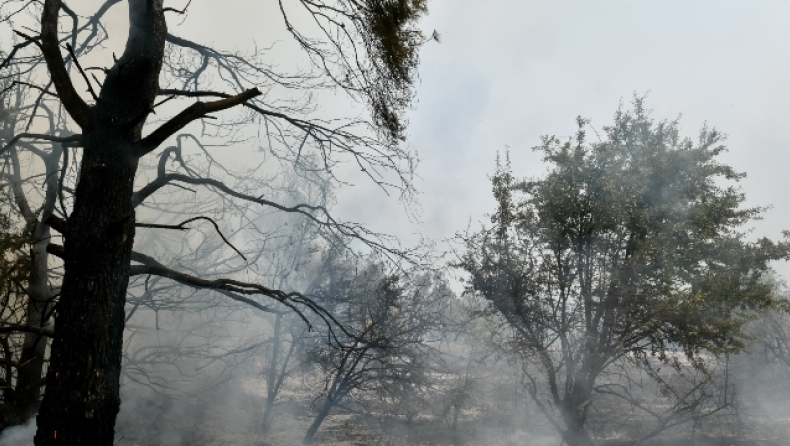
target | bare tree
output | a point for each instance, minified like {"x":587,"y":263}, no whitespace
{"x":391,"y":355}
{"x":181,"y":342}
{"x":28,"y":290}
{"x":368,"y":49}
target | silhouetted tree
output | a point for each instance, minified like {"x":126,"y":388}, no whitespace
{"x":368,"y":49}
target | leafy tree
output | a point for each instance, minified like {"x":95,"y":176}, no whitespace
{"x":626,"y":249}
{"x":367,"y":49}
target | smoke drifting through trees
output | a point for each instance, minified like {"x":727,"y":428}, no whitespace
{"x":627,"y":256}
{"x":82,"y":397}
{"x":249,"y":314}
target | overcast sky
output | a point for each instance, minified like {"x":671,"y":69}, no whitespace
{"x":509,"y":71}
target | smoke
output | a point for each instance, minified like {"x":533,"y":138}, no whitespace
{"x":19,"y":435}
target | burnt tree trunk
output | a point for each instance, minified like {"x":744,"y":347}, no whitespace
{"x":82,"y":398}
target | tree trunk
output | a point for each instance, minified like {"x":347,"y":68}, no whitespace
{"x":82,"y":395}
{"x":271,"y":375}
{"x":454,"y":437}
{"x":268,"y":416}
{"x":27,"y":390}
{"x":82,"y":398}
{"x":576,"y":435}
{"x":319,"y":419}
{"x":30,"y":375}
{"x":574,"y":414}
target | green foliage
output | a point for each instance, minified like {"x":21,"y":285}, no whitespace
{"x":396,"y":41}
{"x":15,"y":263}
{"x":634,"y":244}
{"x":388,"y":28}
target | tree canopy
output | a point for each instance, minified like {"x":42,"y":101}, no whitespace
{"x":625,"y":249}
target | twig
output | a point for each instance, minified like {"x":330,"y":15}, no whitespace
{"x":28,"y":84}
{"x":26,"y":329}
{"x":181,"y":227}
{"x":179,"y":11}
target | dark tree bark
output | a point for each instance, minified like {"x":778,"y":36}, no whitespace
{"x":82,"y":395}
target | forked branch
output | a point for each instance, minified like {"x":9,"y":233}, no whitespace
{"x":182,"y":227}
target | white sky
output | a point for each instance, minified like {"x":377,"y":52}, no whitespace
{"x":509,"y":71}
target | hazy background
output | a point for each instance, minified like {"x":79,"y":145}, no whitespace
{"x":509,"y":71}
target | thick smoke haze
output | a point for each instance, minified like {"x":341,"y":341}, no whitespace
{"x":504,"y":76}
{"x":383,"y":334}
{"x":19,"y":435}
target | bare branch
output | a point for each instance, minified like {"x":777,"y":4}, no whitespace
{"x":181,"y":227}
{"x":28,"y":84}
{"x":231,"y":288}
{"x":237,"y":290}
{"x":17,"y":47}
{"x":79,"y":110}
{"x":195,"y":111}
{"x":317,"y":214}
{"x":27,"y":329}
{"x":179,"y":11}
{"x":62,"y":139}
{"x":57,"y":223}
{"x":56,"y":250}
